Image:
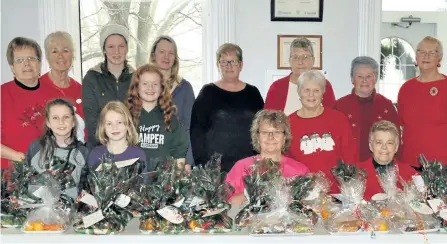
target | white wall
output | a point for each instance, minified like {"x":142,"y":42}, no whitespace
{"x":18,"y":18}
{"x":257,"y":36}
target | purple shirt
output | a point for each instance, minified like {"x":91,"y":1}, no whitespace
{"x":98,"y":152}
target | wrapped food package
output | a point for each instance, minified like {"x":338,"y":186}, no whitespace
{"x":280,"y":219}
{"x":103,"y":208}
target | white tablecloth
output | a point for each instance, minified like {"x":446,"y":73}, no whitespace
{"x":132,"y":235}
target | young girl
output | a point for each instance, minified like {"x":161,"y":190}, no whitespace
{"x":117,"y":134}
{"x":150,"y":103}
{"x":59,"y":139}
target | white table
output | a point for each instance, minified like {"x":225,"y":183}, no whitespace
{"x":132,"y":235}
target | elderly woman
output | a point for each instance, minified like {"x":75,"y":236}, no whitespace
{"x":364,"y":106}
{"x":271,"y":137}
{"x":282,"y":93}
{"x":321,"y":136}
{"x":422,"y":107}
{"x":59,"y":49}
{"x":23,"y":100}
{"x":164,"y":55}
{"x":223,"y":111}
{"x":383,"y":142}
{"x":108,"y":80}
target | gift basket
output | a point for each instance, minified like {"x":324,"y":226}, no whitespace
{"x":161,"y":200}
{"x":62,"y":171}
{"x":316,"y":195}
{"x":208,"y":207}
{"x":257,"y":181}
{"x":50,"y":215}
{"x":284,"y":217}
{"x":421,"y":219}
{"x":356,"y":215}
{"x":103,"y":208}
{"x":434,"y":175}
{"x":14,"y":194}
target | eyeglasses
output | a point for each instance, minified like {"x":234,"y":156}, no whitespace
{"x":304,"y":57}
{"x":228,"y":62}
{"x":275,"y":134}
{"x":431,"y":53}
{"x":364,"y":78}
{"x":30,"y":59}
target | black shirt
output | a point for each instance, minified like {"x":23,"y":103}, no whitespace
{"x":220,"y":123}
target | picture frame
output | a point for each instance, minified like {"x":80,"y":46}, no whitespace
{"x":296,"y":10}
{"x":283,"y":50}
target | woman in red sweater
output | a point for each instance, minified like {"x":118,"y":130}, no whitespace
{"x":321,"y":136}
{"x":282,"y":93}
{"x":422,"y":107}
{"x":22,"y":100}
{"x":59,"y":50}
{"x":364,"y":106}
{"x":383,"y":143}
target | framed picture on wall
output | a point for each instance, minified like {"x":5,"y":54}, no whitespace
{"x":296,"y":10}
{"x":283,"y":50}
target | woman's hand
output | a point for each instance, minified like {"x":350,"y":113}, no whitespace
{"x":18,"y":157}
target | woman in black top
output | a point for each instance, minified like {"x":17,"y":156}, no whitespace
{"x":223,"y":112}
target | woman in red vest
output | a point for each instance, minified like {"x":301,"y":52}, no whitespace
{"x":282,"y":94}
{"x":422,"y":107}
{"x":364,"y":106}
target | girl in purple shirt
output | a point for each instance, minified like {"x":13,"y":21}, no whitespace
{"x":117,"y":134}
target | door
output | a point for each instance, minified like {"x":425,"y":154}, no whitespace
{"x":398,"y":47}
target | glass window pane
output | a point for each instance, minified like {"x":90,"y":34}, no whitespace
{"x":414,"y":5}
{"x":396,"y":65}
{"x":146,"y":20}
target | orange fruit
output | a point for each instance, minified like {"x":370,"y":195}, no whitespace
{"x":193,"y":224}
{"x":149,"y":226}
{"x":325,"y":214}
{"x":38,"y":226}
{"x":385,"y":212}
{"x":28,"y":227}
{"x":382,"y":227}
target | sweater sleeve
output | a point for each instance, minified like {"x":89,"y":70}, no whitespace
{"x":258,"y":98}
{"x":178,"y":140}
{"x":33,"y":149}
{"x":235,"y":177}
{"x":90,"y":108}
{"x":187,"y":110}
{"x":329,"y":96}
{"x":200,"y":125}
{"x":270,"y":100}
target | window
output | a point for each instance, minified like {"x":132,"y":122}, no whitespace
{"x":414,"y":5}
{"x":397,"y":61}
{"x":146,"y":20}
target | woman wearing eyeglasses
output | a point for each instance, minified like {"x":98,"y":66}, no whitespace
{"x":282,"y":93}
{"x":223,"y":112}
{"x":321,"y":135}
{"x":22,"y":100}
{"x":422,"y":107}
{"x":364,"y":106}
{"x":270,"y":137}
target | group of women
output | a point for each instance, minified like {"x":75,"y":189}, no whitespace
{"x":151,"y":112}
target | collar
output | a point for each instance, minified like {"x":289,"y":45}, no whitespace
{"x":368,"y":99}
{"x":381,"y":168}
{"x":21,"y":85}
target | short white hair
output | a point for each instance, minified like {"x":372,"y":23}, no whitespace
{"x":314,"y":76}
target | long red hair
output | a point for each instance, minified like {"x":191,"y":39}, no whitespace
{"x":135,"y":104}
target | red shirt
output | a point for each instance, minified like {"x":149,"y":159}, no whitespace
{"x":277,"y":95}
{"x":321,"y":141}
{"x":362,"y":114}
{"x":372,"y":182}
{"x":73,"y":93}
{"x":22,"y":114}
{"x":422,"y":110}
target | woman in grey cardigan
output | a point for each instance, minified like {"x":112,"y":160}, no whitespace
{"x":164,"y":55}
